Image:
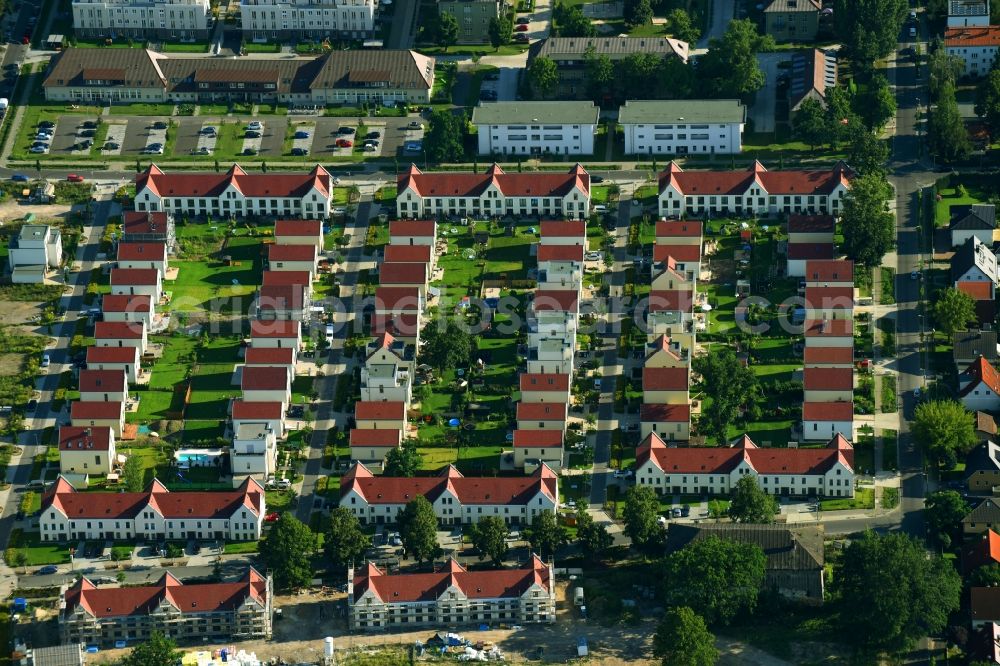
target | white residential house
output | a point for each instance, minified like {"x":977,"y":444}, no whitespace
{"x":271,"y":413}
{"x":130,"y":309}
{"x":412,"y":232}
{"x":266,"y":384}
{"x":975,"y":262}
{"x":979,"y":387}
{"x":143,"y":255}
{"x":125,"y":358}
{"x":385,"y":381}
{"x":670,"y":422}
{"x":536,"y":128}
{"x":551,"y":355}
{"x":299,"y":232}
{"x":188,"y":19}
{"x":36,"y":250}
{"x":683,"y":127}
{"x":541,"y":416}
{"x":137,"y":282}
{"x":534,"y":448}
{"x":823,"y":420}
{"x":103,"y":385}
{"x":544,"y":387}
{"x":276,"y":333}
{"x":274,"y":357}
{"x":86,"y":449}
{"x":665,"y":386}
{"x":121,"y":334}
{"x":979,"y":220}
{"x":98,"y":414}
{"x":293,"y":258}
{"x":380,"y":415}
{"x":965,"y":13}
{"x":254,"y":452}
{"x":371,"y":445}
{"x":828,"y":384}
{"x":975,"y":46}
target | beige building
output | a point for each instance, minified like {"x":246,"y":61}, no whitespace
{"x":473,"y":17}
{"x":299,"y":232}
{"x":115,"y":358}
{"x":370,"y":445}
{"x":98,"y":414}
{"x":86,"y":449}
{"x":792,"y":20}
{"x":535,"y":447}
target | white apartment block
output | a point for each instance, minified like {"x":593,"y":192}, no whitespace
{"x":171,"y":19}
{"x":536,"y":128}
{"x":254,"y":452}
{"x":965,"y":13}
{"x":975,"y":46}
{"x":683,"y":127}
{"x":266,"y":20}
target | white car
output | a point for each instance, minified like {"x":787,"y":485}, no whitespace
{"x":46,"y":361}
{"x":338,"y":210}
{"x":593,"y":256}
{"x":255,"y":125}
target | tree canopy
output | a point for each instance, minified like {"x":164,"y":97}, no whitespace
{"x":945,"y":431}
{"x":418,"y":529}
{"x":543,"y":76}
{"x":717,"y":578}
{"x":343,"y":540}
{"x":448,"y":346}
{"x":446,"y":31}
{"x":869,"y":29}
{"x":545,"y":534}
{"x":877,"y":105}
{"x":157,"y":650}
{"x":730,"y":67}
{"x":948,"y":138}
{"x":682,"y":639}
{"x":133,"y":475}
{"x":810,"y":123}
{"x":570,"y":21}
{"x":287,"y":551}
{"x":640,"y":516}
{"x":732,"y":386}
{"x":637,"y":12}
{"x":868,"y":154}
{"x":749,"y":503}
{"x":489,"y":537}
{"x":869,"y":228}
{"x":594,"y":539}
{"x":680,"y":25}
{"x":405,"y":460}
{"x":988,"y":102}
{"x":943,"y":513}
{"x":892,"y":592}
{"x":954,"y":310}
{"x":445,"y":134}
{"x":501,"y":30}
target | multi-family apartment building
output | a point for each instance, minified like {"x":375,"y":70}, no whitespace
{"x":810,"y":238}
{"x":165,"y":19}
{"x":792,"y":20}
{"x":283,"y":20}
{"x":106,"y":616}
{"x":494,"y":193}
{"x":254,"y":452}
{"x":86,"y":449}
{"x":536,"y":128}
{"x":377,"y":601}
{"x":473,"y":17}
{"x":156,"y":513}
{"x":975,"y":46}
{"x":825,"y":472}
{"x":683,"y":127}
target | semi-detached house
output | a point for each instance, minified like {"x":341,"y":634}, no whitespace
{"x":493,"y":194}
{"x":128,"y":308}
{"x":154,"y":514}
{"x":86,"y":449}
{"x":103,"y":385}
{"x":412,"y":232}
{"x":143,"y":255}
{"x":89,"y":413}
{"x":299,"y":232}
{"x":276,"y":333}
{"x":456,"y":499}
{"x":115,"y":358}
{"x":137,"y":282}
{"x":271,"y":413}
{"x":121,"y":334}
{"x":292,"y":258}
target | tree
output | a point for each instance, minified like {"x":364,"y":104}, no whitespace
{"x":717,"y":578}
{"x":445,"y":135}
{"x":732,"y":387}
{"x":675,"y":79}
{"x":682,"y":639}
{"x":446,"y":31}
{"x":448,"y":346}
{"x":868,"y":154}
{"x":944,"y":69}
{"x":869,"y":29}
{"x":640,"y":516}
{"x":157,"y":650}
{"x":878,"y":104}
{"x":637,"y":12}
{"x":489,"y":537}
{"x":133,"y":475}
{"x":418,"y":529}
{"x":679,"y":25}
{"x":987,"y":575}
{"x":750,"y":504}
{"x":404,"y":460}
{"x":344,"y":542}
{"x":287,"y":551}
{"x":988,"y":102}
{"x":945,"y":431}
{"x":572,"y":22}
{"x":840,"y":116}
{"x":948,"y":138}
{"x":953,"y":310}
{"x":501,"y":29}
{"x":600,"y":74}
{"x":594,"y":540}
{"x":892,"y":593}
{"x":810,"y":123}
{"x":868,"y":225}
{"x":730,"y":67}
{"x":943,"y":512}
{"x":543,"y":76}
{"x":545,"y":534}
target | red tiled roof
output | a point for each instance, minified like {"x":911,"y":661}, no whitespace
{"x":799,"y":251}
{"x":285,"y":278}
{"x":826,"y":298}
{"x":679,"y":228}
{"x":142,"y":252}
{"x":505,"y":490}
{"x":793,"y":182}
{"x":562,"y":229}
{"x":102,"y":380}
{"x":397,"y":299}
{"x":401,"y":324}
{"x":493,"y":584}
{"x":384,"y":437}
{"x":987,"y":35}
{"x":661,"y":344}
{"x":555,"y":300}
{"x":979,"y":291}
{"x":678,"y":252}
{"x":310,"y":228}
{"x":112,"y":354}
{"x":829,"y":356}
{"x":407,"y":253}
{"x":980,"y":372}
{"x":126,"y":277}
{"x":276,"y":252}
{"x":715,"y":460}
{"x":274,"y":329}
{"x":450,"y":184}
{"x":651,"y":413}
{"x":126,"y":303}
{"x":210,"y":184}
{"x":370,"y":410}
{"x":984,"y":551}
{"x":664,"y":379}
{"x":269,"y":355}
{"x":281,"y":297}
{"x":245,"y":410}
{"x":399,"y":273}
{"x":830,"y":270}
{"x":81,"y":438}
{"x":264,"y":378}
{"x":840,"y":410}
{"x":829,"y":328}
{"x":541,"y":411}
{"x":108,"y":602}
{"x":538,"y":439}
{"x":812,"y":224}
{"x":671,"y":300}
{"x":139,"y":222}
{"x":95,"y":410}
{"x":414,"y":228}
{"x":560,"y":253}
{"x":828,"y":379}
{"x":187,"y":504}
{"x":113,"y":330}
{"x":544,"y":381}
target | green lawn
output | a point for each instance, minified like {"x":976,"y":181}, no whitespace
{"x":240,"y":547}
{"x":251,"y":47}
{"x":210,"y":285}
{"x":474,"y":50}
{"x":142,"y":109}
{"x":864,"y":498}
{"x":36,"y":552}
{"x":184,"y":47}
{"x":950,"y":196}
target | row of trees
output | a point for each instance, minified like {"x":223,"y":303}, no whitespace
{"x":947,"y":137}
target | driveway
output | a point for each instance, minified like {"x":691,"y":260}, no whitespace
{"x":762,"y":111}
{"x":722,"y":13}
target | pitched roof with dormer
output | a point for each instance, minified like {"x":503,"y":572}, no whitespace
{"x":729,"y":183}
{"x":452,"y":184}
{"x":253,"y":185}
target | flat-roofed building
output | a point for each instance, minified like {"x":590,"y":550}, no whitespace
{"x":536,"y":128}
{"x":683,"y":127}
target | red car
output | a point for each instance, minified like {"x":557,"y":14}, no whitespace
{"x":344,"y":143}
{"x":271,"y":517}
{"x":521,"y":27}
{"x":74,"y":178}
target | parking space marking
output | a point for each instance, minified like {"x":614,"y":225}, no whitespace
{"x":155,"y":136}
{"x":252,"y":145}
{"x":116,"y":136}
{"x":305,"y":142}
{"x":380,"y":128}
{"x":207,"y":137}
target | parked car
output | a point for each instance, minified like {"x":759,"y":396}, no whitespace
{"x":299,"y":152}
{"x":88,"y":132}
{"x":344,"y":143}
{"x":46,"y":361}
{"x":249,"y":151}
{"x":207,"y":131}
{"x":255,"y":125}
{"x":252,"y":134}
{"x":92,"y":124}
{"x":521,"y":37}
{"x":38,"y":149}
{"x":48,"y":569}
{"x":32,"y":405}
{"x":112,"y":145}
{"x":346,"y":130}
{"x":19,"y":178}
{"x":272,"y":517}
{"x":46,"y":123}
{"x":523,"y":27}
{"x":160,"y":125}
{"x":373,"y":135}
{"x":153,"y":149}
{"x":415,"y":125}
{"x":302,"y":134}
{"x":75,"y":178}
